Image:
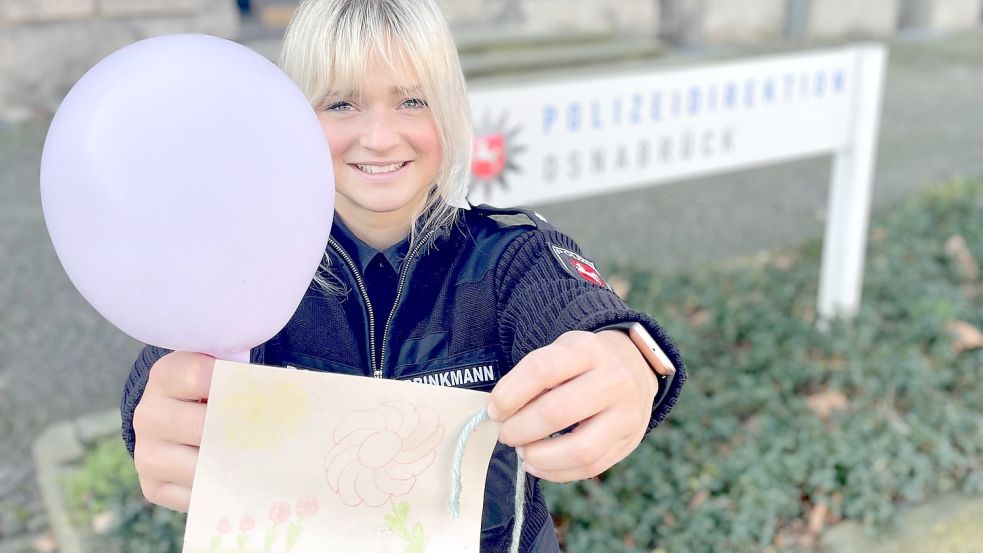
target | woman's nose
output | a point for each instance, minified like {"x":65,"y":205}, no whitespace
{"x":380,"y":135}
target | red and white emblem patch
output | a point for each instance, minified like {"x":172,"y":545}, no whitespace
{"x":578,"y":266}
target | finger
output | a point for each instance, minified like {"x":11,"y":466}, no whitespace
{"x":184,"y":375}
{"x":169,"y":420}
{"x":571,"y":402}
{"x":170,"y":495}
{"x":586,"y":449}
{"x":540,"y":370}
{"x":172,"y":463}
{"x":581,"y":473}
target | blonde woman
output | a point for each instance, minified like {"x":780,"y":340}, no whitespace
{"x":418,"y":285}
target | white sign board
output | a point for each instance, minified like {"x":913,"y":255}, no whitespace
{"x":554,"y":141}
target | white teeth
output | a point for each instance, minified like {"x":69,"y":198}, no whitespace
{"x":375,"y":169}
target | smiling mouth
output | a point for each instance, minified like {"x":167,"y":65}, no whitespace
{"x":380,"y":169}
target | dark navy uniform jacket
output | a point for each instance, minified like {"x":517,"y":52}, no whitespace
{"x":468,"y":305}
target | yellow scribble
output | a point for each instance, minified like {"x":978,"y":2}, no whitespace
{"x":261,"y":415}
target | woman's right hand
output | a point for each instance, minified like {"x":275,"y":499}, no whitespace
{"x":168,"y":423}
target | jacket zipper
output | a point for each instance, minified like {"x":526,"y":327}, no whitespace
{"x":404,"y":271}
{"x":376,"y":372}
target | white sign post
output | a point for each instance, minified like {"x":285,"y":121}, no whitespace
{"x":545,"y":142}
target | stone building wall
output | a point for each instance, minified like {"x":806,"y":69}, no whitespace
{"x":47,"y":45}
{"x":544,"y":16}
{"x":941,"y":15}
{"x":848,"y":18}
{"x":694,"y":22}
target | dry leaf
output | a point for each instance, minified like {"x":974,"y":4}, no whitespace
{"x":966,"y":336}
{"x":878,"y":234}
{"x":45,"y":544}
{"x":699,"y":317}
{"x":971,"y":290}
{"x":958,"y":253}
{"x":102,"y":522}
{"x":782,"y":262}
{"x":824,"y":403}
{"x":817,"y":518}
{"x":698,"y":499}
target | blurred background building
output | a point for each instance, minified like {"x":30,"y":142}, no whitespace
{"x":46,"y":45}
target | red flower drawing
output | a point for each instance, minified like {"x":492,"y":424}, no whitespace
{"x":378,"y":453}
{"x":306,"y":506}
{"x":280,"y":512}
{"x":224,"y":526}
{"x":247,"y":523}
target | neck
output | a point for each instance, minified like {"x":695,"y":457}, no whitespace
{"x":379,"y":230}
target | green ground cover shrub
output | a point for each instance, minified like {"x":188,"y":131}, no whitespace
{"x":749,"y":460}
{"x":106,"y":487}
{"x":782,"y":429}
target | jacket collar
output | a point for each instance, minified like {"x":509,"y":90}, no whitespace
{"x":364,"y":253}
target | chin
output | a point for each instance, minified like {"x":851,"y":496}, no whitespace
{"x":381,"y":203}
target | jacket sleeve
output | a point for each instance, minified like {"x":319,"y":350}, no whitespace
{"x":133,"y":390}
{"x":538,"y":300}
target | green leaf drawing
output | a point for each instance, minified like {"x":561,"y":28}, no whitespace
{"x":398,"y":523}
{"x":416,"y":543}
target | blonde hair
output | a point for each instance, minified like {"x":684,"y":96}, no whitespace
{"x":327,"y":47}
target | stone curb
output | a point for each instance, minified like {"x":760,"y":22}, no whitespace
{"x":59,"y":447}
{"x":945,"y":524}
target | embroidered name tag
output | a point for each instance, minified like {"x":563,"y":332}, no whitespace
{"x":467,"y":376}
{"x":578,"y":266}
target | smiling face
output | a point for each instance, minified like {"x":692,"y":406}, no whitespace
{"x":385,"y":146}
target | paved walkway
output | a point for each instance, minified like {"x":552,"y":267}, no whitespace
{"x":59,"y":359}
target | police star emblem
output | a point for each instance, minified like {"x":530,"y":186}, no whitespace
{"x":578,"y":266}
{"x":494,"y":153}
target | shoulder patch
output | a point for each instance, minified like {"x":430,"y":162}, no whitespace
{"x":578,"y":266}
{"x":514,"y":217}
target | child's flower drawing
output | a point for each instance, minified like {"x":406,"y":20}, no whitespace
{"x":378,"y":453}
{"x":280,"y":512}
{"x":306,"y":506}
{"x":224,"y":526}
{"x":247,"y":523}
{"x":261,"y":416}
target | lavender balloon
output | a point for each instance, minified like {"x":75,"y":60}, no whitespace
{"x":188,"y":190}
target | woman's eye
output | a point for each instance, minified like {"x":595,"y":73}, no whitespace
{"x":414,"y":103}
{"x":340,"y":106}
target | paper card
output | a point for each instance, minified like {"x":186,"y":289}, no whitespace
{"x":297,"y":461}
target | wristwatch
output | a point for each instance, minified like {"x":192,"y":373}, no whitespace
{"x":657,"y":359}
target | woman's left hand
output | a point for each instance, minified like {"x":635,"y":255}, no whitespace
{"x":598,"y":381}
